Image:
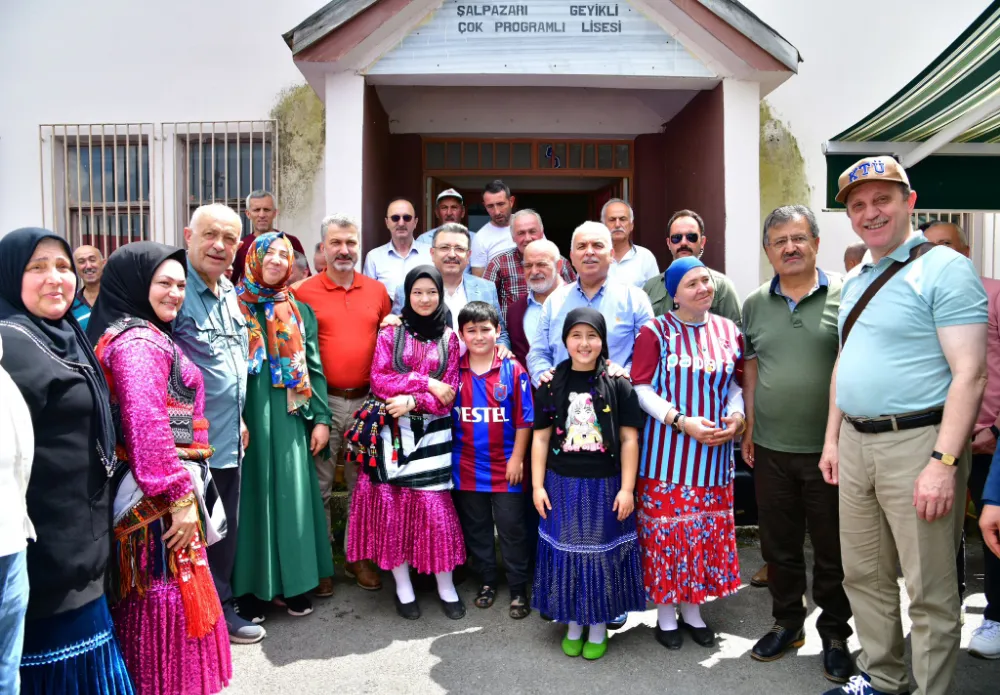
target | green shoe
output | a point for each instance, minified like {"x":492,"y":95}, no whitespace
{"x":572,"y":647}
{"x":593,"y":651}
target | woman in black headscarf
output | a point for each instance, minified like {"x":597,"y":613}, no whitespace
{"x":165,"y":606}
{"x":402,"y":514}
{"x":69,"y":641}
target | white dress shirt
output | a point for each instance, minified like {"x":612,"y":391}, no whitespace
{"x":388,"y":267}
{"x":17,"y":449}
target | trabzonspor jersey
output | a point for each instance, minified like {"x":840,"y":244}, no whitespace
{"x":488,"y":410}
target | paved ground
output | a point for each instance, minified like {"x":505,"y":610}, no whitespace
{"x":355,"y":643}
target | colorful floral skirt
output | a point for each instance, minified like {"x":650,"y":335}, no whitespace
{"x":588,"y":568}
{"x":74,"y":652}
{"x":390,"y":525}
{"x":688,"y":540}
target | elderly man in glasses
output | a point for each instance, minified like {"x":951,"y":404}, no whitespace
{"x":390,"y":262}
{"x":686,"y":237}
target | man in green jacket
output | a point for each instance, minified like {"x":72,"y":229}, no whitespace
{"x":686,"y":237}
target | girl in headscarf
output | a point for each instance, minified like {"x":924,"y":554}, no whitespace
{"x":283,"y":547}
{"x":686,"y":369}
{"x":69,"y":640}
{"x":584,"y":458}
{"x":166,"y":608}
{"x":402,"y":514}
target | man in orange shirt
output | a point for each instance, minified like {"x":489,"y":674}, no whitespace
{"x":349,"y":308}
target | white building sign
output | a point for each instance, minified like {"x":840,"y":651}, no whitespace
{"x":539,"y":37}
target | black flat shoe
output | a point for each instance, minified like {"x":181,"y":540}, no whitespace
{"x":837,"y":664}
{"x":455,"y":610}
{"x":410,"y":611}
{"x":671,"y":639}
{"x":776,"y":642}
{"x":703,"y":636}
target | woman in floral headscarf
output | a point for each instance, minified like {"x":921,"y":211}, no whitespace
{"x":283,"y":547}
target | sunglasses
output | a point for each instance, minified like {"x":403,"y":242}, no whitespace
{"x":692,"y":238}
{"x":405,"y":218}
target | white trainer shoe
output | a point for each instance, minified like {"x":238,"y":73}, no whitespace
{"x":985,"y":642}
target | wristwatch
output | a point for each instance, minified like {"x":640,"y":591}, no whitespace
{"x":996,"y":431}
{"x":946,"y":459}
{"x":674,"y":424}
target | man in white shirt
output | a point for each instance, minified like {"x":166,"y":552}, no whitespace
{"x":630,"y":263}
{"x":494,"y":237}
{"x":390,"y":262}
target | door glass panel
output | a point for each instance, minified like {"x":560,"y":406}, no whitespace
{"x":470,"y":156}
{"x":560,"y":155}
{"x":486,"y":155}
{"x":589,"y":161}
{"x":575,"y":156}
{"x":503,"y":155}
{"x":621,"y":157}
{"x":454,"y":155}
{"x":604,"y":157}
{"x":435,"y":155}
{"x":522,"y":155}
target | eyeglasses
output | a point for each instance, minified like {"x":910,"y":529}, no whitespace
{"x":448,"y":249}
{"x":797,"y":240}
{"x":405,"y":218}
{"x":692,"y":238}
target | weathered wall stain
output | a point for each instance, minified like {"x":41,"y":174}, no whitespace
{"x":301,"y":137}
{"x":782,"y":171}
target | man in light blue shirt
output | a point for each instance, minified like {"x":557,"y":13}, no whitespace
{"x":390,"y":262}
{"x":630,"y":263}
{"x":625,"y":307}
{"x":212,"y":332}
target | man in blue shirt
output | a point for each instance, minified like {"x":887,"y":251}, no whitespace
{"x":989,"y":519}
{"x":212,"y":332}
{"x":907,"y":386}
{"x":625,"y":308}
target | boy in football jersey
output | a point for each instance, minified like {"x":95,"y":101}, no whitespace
{"x":493,"y":415}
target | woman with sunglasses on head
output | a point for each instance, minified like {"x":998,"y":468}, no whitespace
{"x":686,"y":369}
{"x":283,"y":547}
{"x":69,"y":640}
{"x":402,"y":514}
{"x":165,"y":605}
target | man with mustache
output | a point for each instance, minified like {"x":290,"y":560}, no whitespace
{"x":686,"y":237}
{"x":449,"y":207}
{"x":631,"y":263}
{"x":349,"y":308}
{"x":89,"y":266}
{"x":985,"y":642}
{"x":542,"y":273}
{"x":494,"y":236}
{"x":790,"y":332}
{"x":261,"y":212}
{"x":211,"y":330}
{"x":390,"y":262}
{"x":905,"y":393}
{"x":506,"y":269}
{"x":450,"y":255}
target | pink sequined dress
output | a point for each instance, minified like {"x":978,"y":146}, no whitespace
{"x":411,"y":518}
{"x":161,"y":398}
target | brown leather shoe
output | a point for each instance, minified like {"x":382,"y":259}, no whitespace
{"x":364,"y":574}
{"x":760,"y":579}
{"x":325,"y":588}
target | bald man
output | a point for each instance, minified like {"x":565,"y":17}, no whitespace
{"x":89,"y":267}
{"x":854,"y":254}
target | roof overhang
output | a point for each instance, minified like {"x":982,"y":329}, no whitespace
{"x":943,"y":126}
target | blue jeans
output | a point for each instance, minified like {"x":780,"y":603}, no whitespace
{"x":13,"y":604}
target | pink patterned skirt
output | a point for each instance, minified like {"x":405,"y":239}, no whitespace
{"x":391,"y":525}
{"x":688,"y":540}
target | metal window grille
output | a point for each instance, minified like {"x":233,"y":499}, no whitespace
{"x":96,"y":182}
{"x":223,"y":162}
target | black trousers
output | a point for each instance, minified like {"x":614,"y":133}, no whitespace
{"x":479,"y":512}
{"x":991,"y":563}
{"x":222,"y":555}
{"x":792,"y":495}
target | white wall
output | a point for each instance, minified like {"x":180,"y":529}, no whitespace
{"x":857,"y":54}
{"x":102,"y":61}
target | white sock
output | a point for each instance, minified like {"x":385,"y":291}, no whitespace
{"x":691,"y":613}
{"x":666,"y":616}
{"x":404,"y":587}
{"x":597,"y":633}
{"x":446,"y":587}
{"x":574,"y":631}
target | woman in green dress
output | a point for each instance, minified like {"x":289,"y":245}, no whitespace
{"x":283,"y":547}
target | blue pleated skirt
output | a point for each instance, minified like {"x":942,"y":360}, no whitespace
{"x":74,"y":653}
{"x":588,"y":568}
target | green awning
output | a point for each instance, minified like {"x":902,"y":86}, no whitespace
{"x":963,"y":79}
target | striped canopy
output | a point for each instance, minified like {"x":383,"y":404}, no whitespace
{"x":964,"y":76}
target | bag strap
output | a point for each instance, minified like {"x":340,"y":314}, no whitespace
{"x":896,"y":266}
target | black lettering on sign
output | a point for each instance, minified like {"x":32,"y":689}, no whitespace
{"x":593,"y":27}
{"x":529,"y":27}
{"x":492,"y":10}
{"x":593,"y":10}
{"x":470,"y":27}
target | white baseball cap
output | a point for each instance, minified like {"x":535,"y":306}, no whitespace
{"x":449,"y":193}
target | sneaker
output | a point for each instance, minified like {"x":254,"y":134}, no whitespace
{"x":241,"y":630}
{"x":251,"y":608}
{"x":298,"y":606}
{"x":985,"y":641}
{"x":618,"y":623}
{"x":858,"y":685}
